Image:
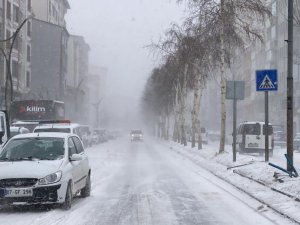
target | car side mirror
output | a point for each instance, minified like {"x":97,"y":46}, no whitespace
{"x":76,"y":157}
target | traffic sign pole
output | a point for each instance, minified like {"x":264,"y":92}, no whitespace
{"x":234,"y":124}
{"x":266,"y":130}
{"x":234,"y":130}
{"x":266,"y":80}
{"x":235,"y":90}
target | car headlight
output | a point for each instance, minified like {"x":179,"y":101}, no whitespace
{"x":51,"y":178}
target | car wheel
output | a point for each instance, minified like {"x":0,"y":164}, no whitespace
{"x":68,"y":199}
{"x":86,"y":191}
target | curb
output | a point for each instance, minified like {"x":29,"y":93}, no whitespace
{"x":273,"y":189}
{"x":244,"y":191}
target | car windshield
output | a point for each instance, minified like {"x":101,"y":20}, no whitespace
{"x":59,"y":130}
{"x":136,"y":132}
{"x":37,"y":148}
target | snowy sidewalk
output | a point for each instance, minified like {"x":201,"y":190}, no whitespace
{"x":253,"y":175}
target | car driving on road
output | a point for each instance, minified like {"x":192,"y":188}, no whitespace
{"x":136,"y":135}
{"x":43,"y":168}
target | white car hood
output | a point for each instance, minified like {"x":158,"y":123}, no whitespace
{"x":28,"y":169}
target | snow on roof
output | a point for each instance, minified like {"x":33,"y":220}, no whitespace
{"x":25,"y":122}
{"x":58,"y":125}
{"x":43,"y":134}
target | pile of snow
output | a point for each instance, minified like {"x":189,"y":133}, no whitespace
{"x":257,"y":176}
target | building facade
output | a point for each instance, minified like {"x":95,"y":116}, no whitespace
{"x":49,"y":49}
{"x":76,"y":97}
{"x":96,"y":92}
{"x":49,"y":60}
{"x":269,"y":54}
{"x":12,"y":15}
{"x":52,"y":11}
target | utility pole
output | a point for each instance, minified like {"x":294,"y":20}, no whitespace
{"x":234,"y":123}
{"x":290,"y":85}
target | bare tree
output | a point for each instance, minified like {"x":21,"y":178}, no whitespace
{"x":231,"y":24}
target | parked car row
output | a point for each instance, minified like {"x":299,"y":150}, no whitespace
{"x":45,"y":162}
{"x":88,"y":135}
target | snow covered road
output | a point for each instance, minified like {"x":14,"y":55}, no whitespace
{"x":147,"y":183}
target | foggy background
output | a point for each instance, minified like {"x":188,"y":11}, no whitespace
{"x":117,"y":32}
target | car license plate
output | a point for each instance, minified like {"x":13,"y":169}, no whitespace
{"x":18,"y":192}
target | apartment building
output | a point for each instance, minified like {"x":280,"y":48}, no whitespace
{"x":96,"y":91}
{"x":12,"y":14}
{"x":76,"y":97}
{"x":49,"y":60}
{"x":52,"y":11}
{"x":269,"y":54}
{"x":50,"y":46}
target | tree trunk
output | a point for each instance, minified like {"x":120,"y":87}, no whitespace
{"x":199,"y":117}
{"x":176,"y":132}
{"x":222,"y":70}
{"x":168,"y":126}
{"x":196,"y":107}
{"x":182,"y":101}
{"x":164,"y":126}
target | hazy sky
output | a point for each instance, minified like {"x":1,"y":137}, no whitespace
{"x":117,"y":31}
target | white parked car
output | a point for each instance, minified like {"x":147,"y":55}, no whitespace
{"x":43,"y":168}
{"x":204,"y":136}
{"x":251,"y":137}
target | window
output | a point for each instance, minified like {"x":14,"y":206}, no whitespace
{"x":2,"y":124}
{"x":50,"y":8}
{"x":28,"y":53}
{"x":8,"y":10}
{"x":16,"y":14}
{"x":29,"y":5}
{"x":78,"y":144}
{"x":270,"y":130}
{"x":28,"y":79}
{"x":252,"y":129}
{"x":28,"y":28}
{"x":274,"y":9}
{"x":15,"y":69}
{"x":72,"y":149}
{"x":8,"y":34}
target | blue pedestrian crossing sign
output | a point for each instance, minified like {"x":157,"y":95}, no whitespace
{"x":266,"y":80}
